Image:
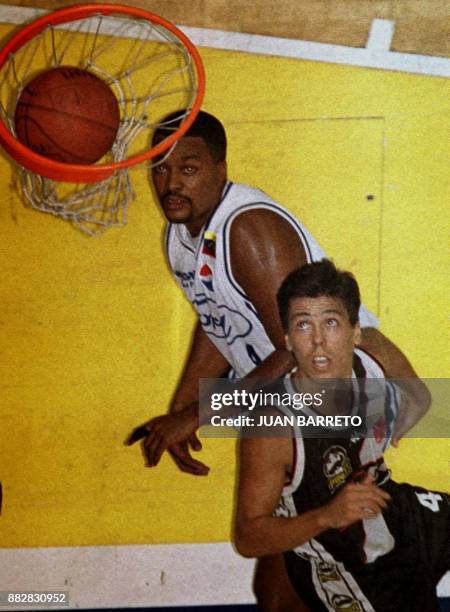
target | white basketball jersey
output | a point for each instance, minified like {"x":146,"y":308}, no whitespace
{"x":202,"y":268}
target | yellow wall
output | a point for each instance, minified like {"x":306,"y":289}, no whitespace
{"x":94,"y":331}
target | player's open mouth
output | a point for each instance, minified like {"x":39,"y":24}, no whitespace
{"x":321,"y":363}
{"x":172,"y":203}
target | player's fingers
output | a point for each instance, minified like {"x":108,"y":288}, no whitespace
{"x":194,"y":442}
{"x":366,"y":514}
{"x":186,"y":463}
{"x":150,"y":450}
{"x":190,"y":466}
{"x":194,"y":471}
{"x":137,"y":434}
{"x":381,"y":494}
{"x":370,"y":511}
{"x":375,"y":500}
{"x":367,"y":497}
{"x":181,"y":452}
{"x":361,"y":508}
{"x":158,"y":450}
{"x":147,"y":454}
{"x":151,"y":446}
{"x":371,"y":488}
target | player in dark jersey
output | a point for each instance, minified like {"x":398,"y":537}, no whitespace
{"x":353,"y":539}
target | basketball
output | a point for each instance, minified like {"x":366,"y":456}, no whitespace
{"x":67,"y":114}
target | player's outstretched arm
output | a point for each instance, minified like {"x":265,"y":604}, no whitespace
{"x":204,"y":361}
{"x":176,"y":431}
{"x":415,"y":399}
{"x":273,"y":250}
{"x":264,"y":464}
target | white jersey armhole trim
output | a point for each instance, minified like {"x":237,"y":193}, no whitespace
{"x":227,"y":232}
{"x":373,"y":368}
{"x":298,"y":467}
{"x":167,"y":240}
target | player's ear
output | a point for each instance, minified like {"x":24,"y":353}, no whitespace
{"x":288,"y":343}
{"x":357,"y":336}
{"x":222,"y":168}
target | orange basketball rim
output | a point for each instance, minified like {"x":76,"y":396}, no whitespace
{"x":78,"y":173}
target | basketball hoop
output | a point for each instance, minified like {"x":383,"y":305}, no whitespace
{"x":152,"y":68}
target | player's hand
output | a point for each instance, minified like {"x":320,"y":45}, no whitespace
{"x":184,"y":460}
{"x":165,"y":431}
{"x":357,"y":501}
{"x":193,"y":440}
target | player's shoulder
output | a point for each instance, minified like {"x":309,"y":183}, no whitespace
{"x":368,"y":364}
{"x":247,"y":214}
{"x":257,"y":220}
{"x":245,"y":194}
{"x":240,"y":199}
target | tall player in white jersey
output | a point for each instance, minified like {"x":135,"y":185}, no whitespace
{"x":229,"y":247}
{"x":202,"y":266}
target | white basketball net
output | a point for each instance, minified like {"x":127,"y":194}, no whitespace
{"x":151,"y":74}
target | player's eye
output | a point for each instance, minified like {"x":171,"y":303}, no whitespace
{"x":302,"y":325}
{"x":160,"y":169}
{"x":189,"y":170}
{"x":332,"y":322}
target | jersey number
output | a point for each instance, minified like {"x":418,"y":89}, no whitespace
{"x":430,"y":500}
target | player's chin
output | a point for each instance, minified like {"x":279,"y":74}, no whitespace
{"x":181,"y":215}
{"x":323,"y":374}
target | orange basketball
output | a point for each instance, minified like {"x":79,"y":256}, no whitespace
{"x":67,"y":114}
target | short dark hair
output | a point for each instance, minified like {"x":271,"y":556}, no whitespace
{"x":317,"y":279}
{"x":205,"y":126}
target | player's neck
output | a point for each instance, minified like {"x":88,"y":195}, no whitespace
{"x":336,"y":394}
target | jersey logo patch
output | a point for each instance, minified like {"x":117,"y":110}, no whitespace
{"x":224,"y":326}
{"x":345,"y":603}
{"x":209,"y":244}
{"x":206,"y":276}
{"x":336,"y":466}
{"x":327,"y":572}
{"x":186,"y":279}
